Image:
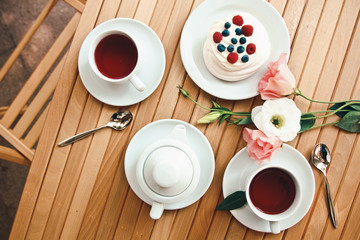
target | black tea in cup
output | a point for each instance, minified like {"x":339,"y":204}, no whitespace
{"x":116,"y":56}
{"x":272,"y":191}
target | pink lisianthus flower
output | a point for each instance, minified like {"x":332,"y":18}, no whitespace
{"x":259,"y":146}
{"x":278,"y":81}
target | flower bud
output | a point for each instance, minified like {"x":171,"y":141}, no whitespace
{"x":183,"y":92}
{"x":210,"y":117}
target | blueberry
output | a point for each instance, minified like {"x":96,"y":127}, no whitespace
{"x":242,"y":40}
{"x":240,"y":49}
{"x":221,"y":48}
{"x":230,"y":48}
{"x":227,"y":25}
{"x":234,"y":41}
{"x":245,"y":58}
{"x":225,"y":33}
{"x":238,"y":31}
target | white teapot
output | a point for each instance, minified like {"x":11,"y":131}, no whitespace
{"x":168,"y":170}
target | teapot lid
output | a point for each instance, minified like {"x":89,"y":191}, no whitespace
{"x":168,"y":171}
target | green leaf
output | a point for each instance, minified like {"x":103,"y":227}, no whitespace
{"x":355,"y":106}
{"x":245,"y":121}
{"x":350,"y":122}
{"x":337,"y":105}
{"x":233,"y":201}
{"x":241,"y":121}
{"x":215,"y":104}
{"x":307,"y":124}
{"x":224,"y":117}
{"x":346,"y":109}
{"x":230,"y":122}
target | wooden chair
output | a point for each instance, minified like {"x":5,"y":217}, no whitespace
{"x":21,"y":122}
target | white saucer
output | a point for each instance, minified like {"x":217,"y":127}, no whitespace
{"x":152,"y":68}
{"x":194,"y":35}
{"x":290,"y":158}
{"x":158,"y":130}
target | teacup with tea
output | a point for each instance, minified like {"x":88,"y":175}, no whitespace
{"x":114,"y":56}
{"x":273,"y":193}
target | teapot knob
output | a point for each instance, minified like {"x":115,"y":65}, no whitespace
{"x":166,"y":174}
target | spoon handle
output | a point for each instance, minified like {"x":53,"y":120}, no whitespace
{"x":79,"y":136}
{"x":330,"y":204}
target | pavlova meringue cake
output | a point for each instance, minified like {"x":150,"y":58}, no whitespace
{"x":236,"y":47}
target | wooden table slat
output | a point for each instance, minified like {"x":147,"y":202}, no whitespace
{"x":58,"y":106}
{"x":345,"y":195}
{"x":81,"y":191}
{"x":351,"y":230}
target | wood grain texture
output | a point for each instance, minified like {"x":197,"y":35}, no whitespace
{"x":38,"y":102}
{"x":16,"y":142}
{"x":12,"y":155}
{"x":59,"y":103}
{"x":76,"y":4}
{"x":34,"y":133}
{"x":81,"y":191}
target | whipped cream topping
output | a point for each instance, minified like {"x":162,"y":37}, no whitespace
{"x":234,"y":63}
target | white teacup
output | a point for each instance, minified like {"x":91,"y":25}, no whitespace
{"x":261,"y":187}
{"x":115,"y":57}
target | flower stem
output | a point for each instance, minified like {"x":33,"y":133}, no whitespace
{"x":223,"y":112}
{"x":325,"y":111}
{"x":237,"y":113}
{"x":332,"y":112}
{"x":321,"y":125}
{"x":299,"y":93}
{"x":186,"y":94}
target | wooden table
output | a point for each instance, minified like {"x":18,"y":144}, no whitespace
{"x":81,"y":191}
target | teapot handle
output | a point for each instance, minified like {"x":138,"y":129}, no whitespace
{"x":157,"y":210}
{"x":179,"y":133}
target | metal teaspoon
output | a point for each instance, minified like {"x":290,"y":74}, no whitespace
{"x":118,"y":121}
{"x":320,"y":157}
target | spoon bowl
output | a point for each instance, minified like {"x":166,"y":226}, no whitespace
{"x":118,"y":121}
{"x":320,"y":158}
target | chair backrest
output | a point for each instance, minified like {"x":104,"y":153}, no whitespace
{"x":21,"y":122}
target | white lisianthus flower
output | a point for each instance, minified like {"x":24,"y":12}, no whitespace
{"x":280,"y":118}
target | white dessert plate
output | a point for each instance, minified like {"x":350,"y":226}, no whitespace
{"x":158,"y":130}
{"x":151,"y":72}
{"x":290,"y":158}
{"x":194,"y":35}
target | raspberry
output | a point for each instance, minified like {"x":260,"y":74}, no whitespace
{"x":238,"y":20}
{"x":217,"y":37}
{"x":250,"y":48}
{"x":247,"y":30}
{"x":232,"y":57}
